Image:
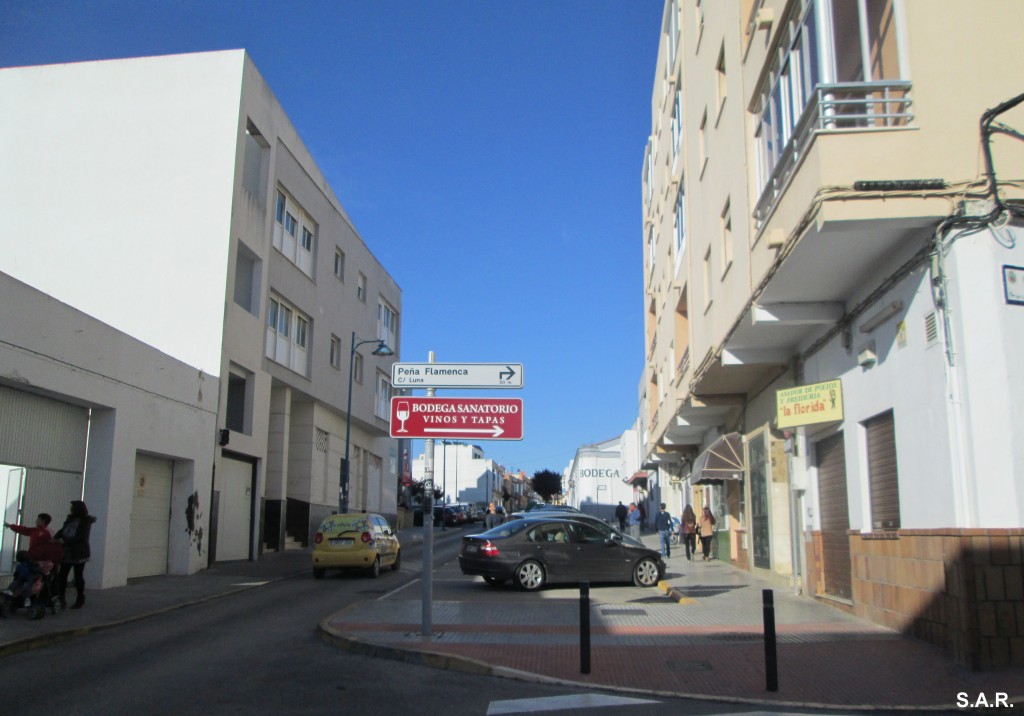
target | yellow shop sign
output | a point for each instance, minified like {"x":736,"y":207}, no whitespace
{"x":809,"y":404}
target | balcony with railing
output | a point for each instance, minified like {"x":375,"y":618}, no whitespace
{"x":835,"y":108}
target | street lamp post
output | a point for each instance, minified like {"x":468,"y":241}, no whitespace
{"x":382,"y":349}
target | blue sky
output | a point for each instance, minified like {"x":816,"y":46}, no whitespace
{"x":489,"y":153}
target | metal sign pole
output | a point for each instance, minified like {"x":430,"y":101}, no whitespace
{"x":428,"y":526}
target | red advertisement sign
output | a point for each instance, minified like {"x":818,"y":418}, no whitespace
{"x":457,"y":418}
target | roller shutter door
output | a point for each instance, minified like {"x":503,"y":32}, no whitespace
{"x":885,"y":492}
{"x":151,"y":515}
{"x":835,"y":515}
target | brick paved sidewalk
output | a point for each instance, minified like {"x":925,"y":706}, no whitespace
{"x":709,"y":646}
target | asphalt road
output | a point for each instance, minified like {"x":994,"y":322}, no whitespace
{"x":257,"y":652}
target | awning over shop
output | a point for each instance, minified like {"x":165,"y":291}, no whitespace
{"x":638,"y":479}
{"x":723,"y":460}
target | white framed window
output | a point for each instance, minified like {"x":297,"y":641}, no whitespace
{"x":287,"y":336}
{"x":707,"y":279}
{"x":677,"y":128}
{"x":649,"y":174}
{"x":680,"y":225}
{"x":294,"y":232}
{"x":357,"y":368}
{"x":650,"y":247}
{"x":361,"y":287}
{"x":387,"y":324}
{"x":383,"y":392}
{"x":673,"y":32}
{"x":335,"y":352}
{"x":339,"y":263}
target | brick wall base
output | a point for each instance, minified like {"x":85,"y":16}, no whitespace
{"x":960,"y":589}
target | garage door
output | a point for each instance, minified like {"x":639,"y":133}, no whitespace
{"x":151,"y":516}
{"x":234,"y":513}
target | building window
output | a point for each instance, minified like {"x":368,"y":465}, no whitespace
{"x":882,"y":472}
{"x":336,"y":352}
{"x":248,"y":276}
{"x":673,"y":32}
{"x":387,"y":324}
{"x":707,"y":279}
{"x":838,"y":68}
{"x":680,"y":227}
{"x":239,"y":400}
{"x":294,"y":232}
{"x":677,"y":128}
{"x":361,"y":287}
{"x":650,"y":247}
{"x":726,"y":237}
{"x":721,"y":87}
{"x":702,"y":160}
{"x":256,"y":164}
{"x":383,"y":396}
{"x":700,"y":23}
{"x":287,"y":336}
{"x":339,"y":263}
{"x":357,"y":368}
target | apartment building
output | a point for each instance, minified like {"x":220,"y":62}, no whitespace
{"x":171,"y":199}
{"x":832,"y":225}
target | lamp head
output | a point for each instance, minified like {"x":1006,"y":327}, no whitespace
{"x":383,"y":350}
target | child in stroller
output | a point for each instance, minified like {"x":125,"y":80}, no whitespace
{"x":32,"y":586}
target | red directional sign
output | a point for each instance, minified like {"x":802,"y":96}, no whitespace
{"x":457,"y":418}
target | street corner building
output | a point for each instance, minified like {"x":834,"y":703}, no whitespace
{"x":833,"y":230}
{"x":180,"y":291}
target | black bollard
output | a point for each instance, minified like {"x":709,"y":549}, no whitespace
{"x":584,"y":627}
{"x":771,"y":661}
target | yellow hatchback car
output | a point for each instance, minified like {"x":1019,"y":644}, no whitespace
{"x":357,"y":540}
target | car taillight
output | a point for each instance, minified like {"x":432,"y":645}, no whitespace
{"x":489,"y":550}
{"x":366,"y":537}
{"x":319,"y":537}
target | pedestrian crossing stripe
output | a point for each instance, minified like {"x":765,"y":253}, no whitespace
{"x":561,"y":703}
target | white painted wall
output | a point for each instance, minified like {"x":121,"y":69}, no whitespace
{"x":142,"y":401}
{"x":116,"y":191}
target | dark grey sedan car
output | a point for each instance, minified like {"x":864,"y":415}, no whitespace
{"x":533,"y":552}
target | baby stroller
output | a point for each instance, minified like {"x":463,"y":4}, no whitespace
{"x":43,"y":592}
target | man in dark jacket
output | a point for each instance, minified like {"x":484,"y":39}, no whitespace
{"x":620,"y":515}
{"x":663,"y":523}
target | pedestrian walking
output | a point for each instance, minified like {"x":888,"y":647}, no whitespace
{"x":707,"y":531}
{"x":663,"y":523}
{"x":620,"y":515}
{"x":688,"y":530}
{"x":492,"y":519}
{"x":75,"y":536}
{"x":633,"y":521}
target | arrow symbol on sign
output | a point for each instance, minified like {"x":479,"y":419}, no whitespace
{"x":507,"y":373}
{"x":494,"y":431}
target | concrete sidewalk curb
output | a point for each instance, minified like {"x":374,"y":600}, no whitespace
{"x":50,"y":638}
{"x":451,"y":662}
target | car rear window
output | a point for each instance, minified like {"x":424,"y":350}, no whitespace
{"x":507,"y":529}
{"x":348,"y":523}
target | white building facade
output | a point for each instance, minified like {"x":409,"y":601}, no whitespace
{"x":464,"y":472}
{"x":183,"y":210}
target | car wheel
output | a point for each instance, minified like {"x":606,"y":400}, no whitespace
{"x":530,"y":576}
{"x":319,"y":572}
{"x":397,"y":563}
{"x":374,"y":569}
{"x":494,"y":581}
{"x":645,"y":573}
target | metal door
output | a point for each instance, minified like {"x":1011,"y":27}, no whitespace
{"x":834,"y":508}
{"x":151,"y":517}
{"x":759,"y":508}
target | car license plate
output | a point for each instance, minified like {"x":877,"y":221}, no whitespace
{"x":471,"y":549}
{"x":343,"y":542}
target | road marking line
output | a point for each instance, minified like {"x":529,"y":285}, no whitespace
{"x":559,"y":703}
{"x":397,"y":589}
